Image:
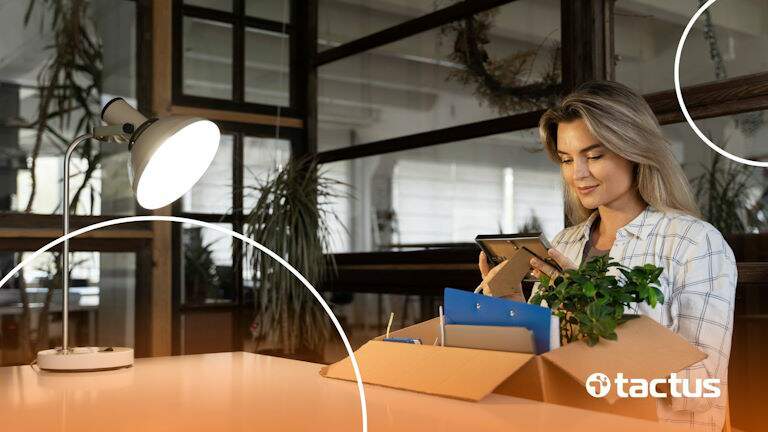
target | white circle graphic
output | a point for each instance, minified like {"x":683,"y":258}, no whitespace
{"x":247,"y":240}
{"x":679,"y":94}
{"x":598,"y":384}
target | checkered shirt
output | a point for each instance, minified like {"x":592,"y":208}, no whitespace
{"x":699,"y":286}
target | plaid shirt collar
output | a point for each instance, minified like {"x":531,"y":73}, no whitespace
{"x":640,"y":226}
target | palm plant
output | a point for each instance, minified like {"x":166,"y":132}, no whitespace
{"x":69,"y":88}
{"x":291,"y":217}
{"x":723,"y":194}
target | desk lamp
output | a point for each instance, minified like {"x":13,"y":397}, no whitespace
{"x":168,"y":156}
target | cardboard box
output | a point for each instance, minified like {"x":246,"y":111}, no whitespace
{"x":644,"y":349}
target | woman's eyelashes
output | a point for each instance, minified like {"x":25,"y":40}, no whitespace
{"x":568,"y":161}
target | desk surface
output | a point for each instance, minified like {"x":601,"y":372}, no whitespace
{"x":247,"y":392}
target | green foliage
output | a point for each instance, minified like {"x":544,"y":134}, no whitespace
{"x":722,"y":192}
{"x":69,"y":88}
{"x":290,"y":218}
{"x":590,"y":303}
{"x":201,"y":275}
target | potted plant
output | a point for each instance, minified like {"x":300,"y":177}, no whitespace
{"x":590,"y":303}
{"x":201,"y":275}
{"x":290,"y":219}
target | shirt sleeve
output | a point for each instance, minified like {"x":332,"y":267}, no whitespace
{"x":702,"y":299}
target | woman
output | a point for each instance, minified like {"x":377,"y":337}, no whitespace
{"x":628,"y":197}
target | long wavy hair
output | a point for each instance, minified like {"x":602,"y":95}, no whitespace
{"x":623,"y":122}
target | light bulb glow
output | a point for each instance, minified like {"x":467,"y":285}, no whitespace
{"x":177,"y":164}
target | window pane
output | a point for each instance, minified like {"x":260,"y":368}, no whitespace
{"x":266,"y":67}
{"x":449,"y":193}
{"x":420,"y":83}
{"x":101,"y":298}
{"x":224,"y":5}
{"x":213,"y":192}
{"x":208,"y":276}
{"x":106,"y":189}
{"x":275,"y":10}
{"x":344,"y":21}
{"x":263,"y":156}
{"x":732,"y":44}
{"x":739,"y":202}
{"x":207,"y":62}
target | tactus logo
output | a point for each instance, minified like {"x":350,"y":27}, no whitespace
{"x":598,"y":384}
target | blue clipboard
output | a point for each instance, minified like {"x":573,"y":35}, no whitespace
{"x":463,"y":307}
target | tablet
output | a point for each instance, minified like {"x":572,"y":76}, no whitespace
{"x":499,"y":247}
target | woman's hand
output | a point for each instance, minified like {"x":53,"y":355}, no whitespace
{"x":540,"y":267}
{"x":483,"y":264}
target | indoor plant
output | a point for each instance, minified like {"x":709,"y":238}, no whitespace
{"x":290,"y":218}
{"x":590,"y":303}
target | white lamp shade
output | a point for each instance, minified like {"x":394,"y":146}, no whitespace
{"x":169,"y":157}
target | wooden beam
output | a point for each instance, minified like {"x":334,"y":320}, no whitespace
{"x":235,"y":116}
{"x":438,"y":136}
{"x":304,"y":73}
{"x":714,"y":99}
{"x":585,"y":25}
{"x":408,"y":28}
{"x":6,"y":233}
{"x":162,"y":277}
{"x":53,"y":222}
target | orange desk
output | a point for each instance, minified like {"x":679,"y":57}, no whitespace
{"x":248,"y":392}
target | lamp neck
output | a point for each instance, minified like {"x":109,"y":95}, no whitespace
{"x":65,"y":247}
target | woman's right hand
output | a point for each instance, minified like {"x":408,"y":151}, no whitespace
{"x":483,"y":264}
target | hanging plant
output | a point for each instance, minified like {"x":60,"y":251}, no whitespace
{"x":69,"y":88}
{"x":505,"y":83}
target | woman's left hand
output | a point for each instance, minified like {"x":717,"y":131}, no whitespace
{"x":540,"y":267}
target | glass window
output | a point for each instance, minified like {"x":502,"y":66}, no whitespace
{"x":275,"y":10}
{"x":420,"y":83}
{"x":263,"y":157}
{"x":267,"y":67}
{"x":732,"y":196}
{"x":99,"y":176}
{"x":728,"y":42}
{"x":102,"y":303}
{"x":213,"y":192}
{"x":223,"y":5}
{"x":207,"y":62}
{"x":208,"y":275}
{"x":448,"y":193}
{"x":341,"y":21}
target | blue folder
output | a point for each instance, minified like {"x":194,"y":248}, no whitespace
{"x":463,"y":307}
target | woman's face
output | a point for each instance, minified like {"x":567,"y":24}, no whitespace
{"x":598,"y":176}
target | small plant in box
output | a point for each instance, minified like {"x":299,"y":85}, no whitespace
{"x":590,"y":303}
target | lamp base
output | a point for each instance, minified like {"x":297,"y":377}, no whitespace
{"x":85,"y":359}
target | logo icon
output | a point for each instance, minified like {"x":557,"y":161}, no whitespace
{"x":598,"y":385}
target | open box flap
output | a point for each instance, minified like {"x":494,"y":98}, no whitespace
{"x":459,"y":373}
{"x":644,"y":349}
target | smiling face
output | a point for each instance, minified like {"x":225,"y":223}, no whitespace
{"x":597,"y":176}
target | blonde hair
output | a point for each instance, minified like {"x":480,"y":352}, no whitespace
{"x":623,"y":122}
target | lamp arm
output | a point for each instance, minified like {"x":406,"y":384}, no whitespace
{"x":65,"y":245}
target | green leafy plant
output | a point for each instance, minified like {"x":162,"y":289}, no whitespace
{"x":69,"y":86}
{"x":201,"y":275}
{"x":722,"y":191}
{"x":291,"y":218}
{"x":590,"y":303}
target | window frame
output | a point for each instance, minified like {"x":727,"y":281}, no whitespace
{"x":239,"y":22}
